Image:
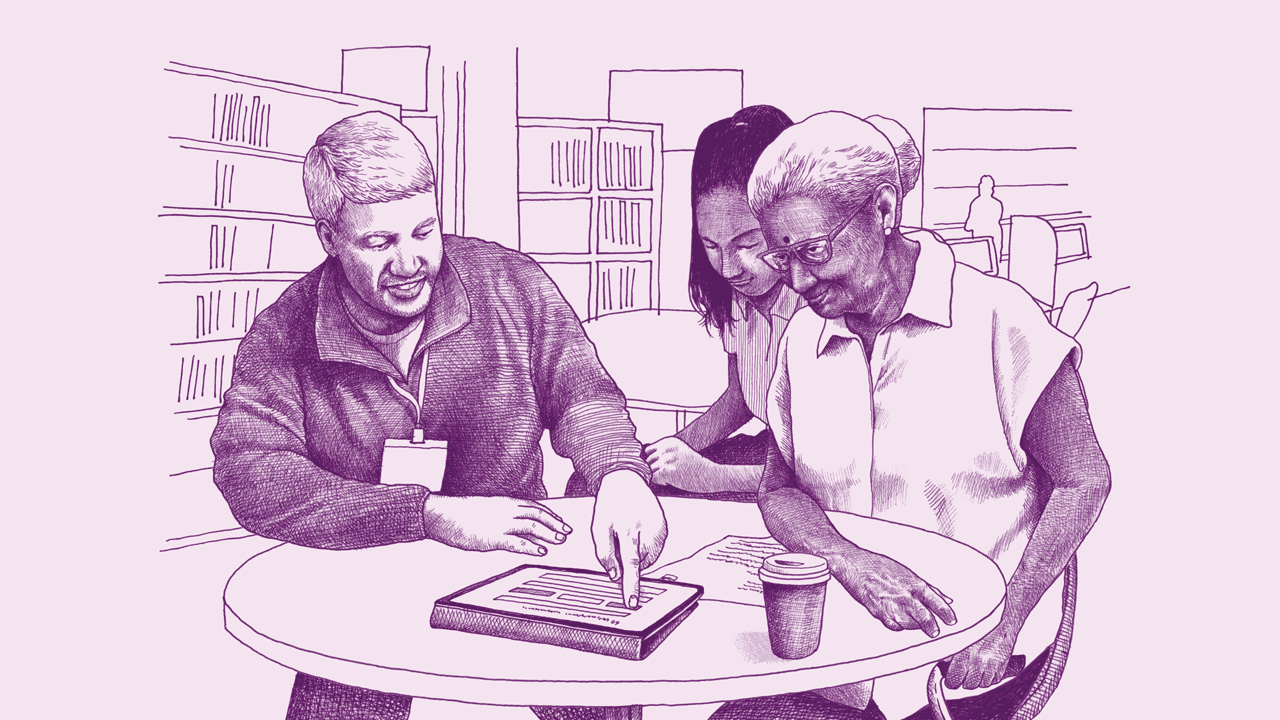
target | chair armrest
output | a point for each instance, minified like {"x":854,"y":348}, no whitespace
{"x":934,"y":690}
{"x":1050,"y":670}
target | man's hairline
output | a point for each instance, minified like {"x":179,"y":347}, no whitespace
{"x":333,"y":222}
{"x":348,"y":201}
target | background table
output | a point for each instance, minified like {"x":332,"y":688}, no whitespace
{"x":362,"y":618}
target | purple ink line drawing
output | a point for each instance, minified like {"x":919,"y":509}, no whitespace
{"x":393,"y":330}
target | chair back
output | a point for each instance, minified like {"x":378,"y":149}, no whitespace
{"x":978,"y":253}
{"x":1033,"y":257}
{"x":1075,"y":309}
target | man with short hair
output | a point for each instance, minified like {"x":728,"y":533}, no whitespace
{"x":405,"y":333}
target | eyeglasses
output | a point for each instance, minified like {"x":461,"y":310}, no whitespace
{"x":815,"y":251}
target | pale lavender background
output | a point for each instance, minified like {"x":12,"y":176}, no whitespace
{"x":1175,"y":614}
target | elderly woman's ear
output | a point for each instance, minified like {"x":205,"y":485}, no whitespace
{"x":887,"y":207}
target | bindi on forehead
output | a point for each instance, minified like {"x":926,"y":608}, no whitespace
{"x":799,"y":221}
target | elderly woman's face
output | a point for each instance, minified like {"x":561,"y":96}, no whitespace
{"x":733,"y":242}
{"x":842,"y":284}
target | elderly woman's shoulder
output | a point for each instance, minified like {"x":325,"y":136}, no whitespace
{"x":978,"y":292}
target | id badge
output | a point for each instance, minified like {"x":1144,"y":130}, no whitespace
{"x":405,"y":462}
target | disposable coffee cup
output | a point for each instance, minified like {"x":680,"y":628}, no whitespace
{"x":795,"y":589}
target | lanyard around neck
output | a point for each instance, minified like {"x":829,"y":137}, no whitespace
{"x":418,"y":433}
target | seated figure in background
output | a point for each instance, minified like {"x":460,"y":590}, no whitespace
{"x":985,"y":213}
{"x":915,"y":390}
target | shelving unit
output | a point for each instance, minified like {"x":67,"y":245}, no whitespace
{"x":590,"y":203}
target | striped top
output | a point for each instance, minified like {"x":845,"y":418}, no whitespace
{"x":753,"y":337}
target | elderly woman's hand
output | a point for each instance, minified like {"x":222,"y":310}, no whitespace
{"x":889,"y":591}
{"x":983,"y":663}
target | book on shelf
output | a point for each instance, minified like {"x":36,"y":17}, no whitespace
{"x":243,"y":111}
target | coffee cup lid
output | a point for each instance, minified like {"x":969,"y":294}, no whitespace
{"x":794,"y":569}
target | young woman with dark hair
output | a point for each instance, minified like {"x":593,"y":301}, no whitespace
{"x":742,"y":299}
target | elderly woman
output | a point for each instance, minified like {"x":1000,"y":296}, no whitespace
{"x":915,"y":390}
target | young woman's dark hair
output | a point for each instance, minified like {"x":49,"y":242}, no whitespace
{"x":726,"y":153}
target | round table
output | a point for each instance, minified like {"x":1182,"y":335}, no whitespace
{"x":361,"y":617}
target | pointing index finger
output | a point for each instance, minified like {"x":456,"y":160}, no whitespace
{"x":629,"y":561}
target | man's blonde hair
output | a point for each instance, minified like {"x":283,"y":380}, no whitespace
{"x":366,"y":158}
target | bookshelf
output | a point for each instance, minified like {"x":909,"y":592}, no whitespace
{"x":234,"y":222}
{"x":590,"y":208}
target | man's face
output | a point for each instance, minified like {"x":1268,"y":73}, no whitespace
{"x":842,"y":284}
{"x":390,"y":252}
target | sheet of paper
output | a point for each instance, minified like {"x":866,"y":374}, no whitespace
{"x":727,"y":569}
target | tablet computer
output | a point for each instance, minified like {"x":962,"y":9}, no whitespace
{"x":579,"y":609}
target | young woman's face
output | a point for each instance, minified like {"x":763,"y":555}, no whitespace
{"x":733,"y":241}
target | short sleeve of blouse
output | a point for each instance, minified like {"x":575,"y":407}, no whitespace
{"x":1026,"y":353}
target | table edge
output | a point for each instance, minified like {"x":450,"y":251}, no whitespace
{"x":459,"y":688}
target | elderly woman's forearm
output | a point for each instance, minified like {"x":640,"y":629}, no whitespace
{"x":796,"y":520}
{"x":1066,"y":520}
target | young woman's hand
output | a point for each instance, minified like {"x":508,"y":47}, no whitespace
{"x":676,"y":464}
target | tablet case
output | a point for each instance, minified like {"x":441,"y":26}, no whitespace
{"x":578,"y":609}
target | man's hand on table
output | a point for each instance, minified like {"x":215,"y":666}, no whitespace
{"x":628,"y":529}
{"x":983,"y":663}
{"x":493,"y":523}
{"x":892,"y":594}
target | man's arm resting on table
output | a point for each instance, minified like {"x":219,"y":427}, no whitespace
{"x":892,"y":594}
{"x":282,"y":494}
{"x":1059,"y":439}
{"x":263,"y":468}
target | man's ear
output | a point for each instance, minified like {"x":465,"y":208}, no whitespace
{"x":887,"y":207}
{"x":324,"y":231}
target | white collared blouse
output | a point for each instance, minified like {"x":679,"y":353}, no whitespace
{"x":928,"y":431}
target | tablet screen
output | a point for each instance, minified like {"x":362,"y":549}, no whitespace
{"x":575,"y":596}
